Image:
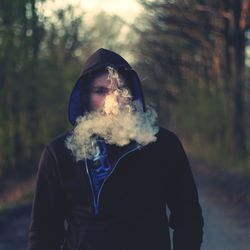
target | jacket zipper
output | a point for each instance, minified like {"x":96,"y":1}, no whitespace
{"x":93,"y":194}
{"x":96,"y":203}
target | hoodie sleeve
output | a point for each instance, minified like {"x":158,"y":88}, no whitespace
{"x":186,"y":218}
{"x":46,"y":230}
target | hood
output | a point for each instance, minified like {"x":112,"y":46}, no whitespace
{"x":97,"y":61}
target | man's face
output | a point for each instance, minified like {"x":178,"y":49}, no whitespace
{"x":101,"y":87}
{"x":114,"y":116}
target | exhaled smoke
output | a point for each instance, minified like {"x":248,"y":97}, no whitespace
{"x":119,"y":122}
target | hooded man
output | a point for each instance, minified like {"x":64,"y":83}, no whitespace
{"x":105,"y":184}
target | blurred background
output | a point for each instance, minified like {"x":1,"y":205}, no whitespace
{"x":193,"y":57}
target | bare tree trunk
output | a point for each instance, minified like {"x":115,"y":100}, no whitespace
{"x":240,"y":12}
{"x":35,"y":30}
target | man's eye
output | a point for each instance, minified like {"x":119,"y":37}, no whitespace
{"x":100,"y":91}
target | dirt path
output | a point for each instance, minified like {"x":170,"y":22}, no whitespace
{"x":227,"y":227}
{"x":14,"y":227}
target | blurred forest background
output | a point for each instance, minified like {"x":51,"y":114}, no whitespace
{"x":193,"y":57}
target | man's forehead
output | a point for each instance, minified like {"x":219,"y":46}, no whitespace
{"x":106,"y":79}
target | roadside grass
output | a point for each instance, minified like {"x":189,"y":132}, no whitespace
{"x":16,"y":194}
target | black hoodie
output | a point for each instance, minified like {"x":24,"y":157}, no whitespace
{"x":132,"y":203}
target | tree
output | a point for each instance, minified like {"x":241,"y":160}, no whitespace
{"x":200,"y":45}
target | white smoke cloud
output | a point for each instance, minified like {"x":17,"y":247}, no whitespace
{"x":119,"y":122}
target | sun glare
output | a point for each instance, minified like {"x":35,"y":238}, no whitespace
{"x":128,"y":9}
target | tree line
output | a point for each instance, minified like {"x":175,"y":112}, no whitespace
{"x":40,"y":60}
{"x":190,"y":54}
{"x":194,"y":51}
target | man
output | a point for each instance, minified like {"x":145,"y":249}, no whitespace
{"x":111,"y":177}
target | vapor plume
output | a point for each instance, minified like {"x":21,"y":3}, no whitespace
{"x":118,"y":122}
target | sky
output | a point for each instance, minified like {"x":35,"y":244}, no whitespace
{"x":127,"y":9}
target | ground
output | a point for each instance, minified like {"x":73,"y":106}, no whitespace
{"x":227,"y":224}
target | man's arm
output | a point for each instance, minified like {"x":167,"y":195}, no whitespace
{"x":185,"y":211}
{"x":46,"y":230}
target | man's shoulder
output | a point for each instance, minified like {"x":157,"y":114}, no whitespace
{"x":57,"y":143}
{"x":165,"y":133}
